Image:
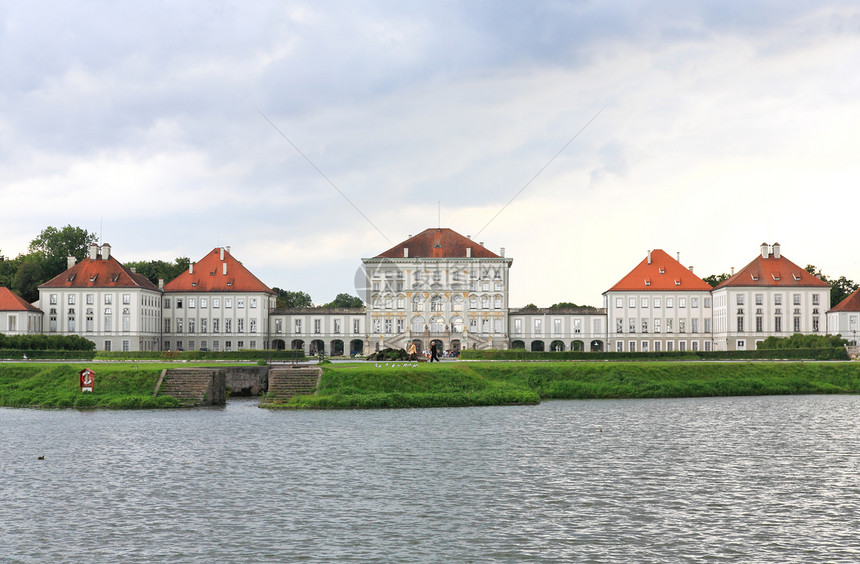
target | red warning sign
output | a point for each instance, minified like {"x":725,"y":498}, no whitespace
{"x":88,"y":379}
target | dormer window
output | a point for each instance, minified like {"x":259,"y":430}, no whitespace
{"x":775,"y":276}
{"x":647,"y":282}
{"x":72,"y":277}
{"x":796,"y":277}
{"x":753,"y":276}
{"x":677,"y":282}
{"x":662,"y":270}
{"x":194,"y":283}
{"x":115,"y":278}
{"x":94,"y":277}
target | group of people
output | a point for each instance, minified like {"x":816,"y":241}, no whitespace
{"x":433,"y":353}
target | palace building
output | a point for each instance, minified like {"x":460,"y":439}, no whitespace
{"x":437,"y":287}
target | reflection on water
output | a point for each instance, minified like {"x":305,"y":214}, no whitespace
{"x":747,"y":479}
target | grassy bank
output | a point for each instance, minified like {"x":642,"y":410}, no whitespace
{"x":477,"y":383}
{"x":117,"y":386}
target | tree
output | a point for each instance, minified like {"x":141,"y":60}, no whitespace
{"x":530,"y":306}
{"x":28,"y":278}
{"x":564,"y":305}
{"x":345,"y":300}
{"x":800,"y":341}
{"x":8,"y":269}
{"x":288,"y":299}
{"x":840,"y":288}
{"x":53,"y":246}
{"x":716,"y":279}
{"x":156,"y":270}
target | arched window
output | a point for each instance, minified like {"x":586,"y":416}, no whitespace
{"x":485,"y":302}
{"x":418,"y":323}
{"x":458,"y":302}
{"x":473,"y":302}
{"x":401,"y":301}
{"x":457,"y":324}
{"x":497,"y":301}
{"x":437,"y":324}
{"x":436,"y":303}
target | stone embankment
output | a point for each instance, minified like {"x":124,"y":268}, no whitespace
{"x":284,"y":383}
{"x":193,"y":387}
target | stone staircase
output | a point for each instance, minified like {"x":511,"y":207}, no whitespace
{"x":284,"y":383}
{"x":193,"y":387}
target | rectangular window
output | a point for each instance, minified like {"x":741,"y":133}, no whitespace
{"x":388,"y":326}
{"x":356,"y":326}
{"x":179,"y":326}
{"x":167,"y":326}
{"x":682,"y":346}
{"x":644,"y":302}
{"x":191,"y":326}
{"x":71,"y":299}
{"x":178,"y":303}
{"x":796,"y":299}
{"x":518,"y":326}
{"x":619,"y":346}
{"x":777,"y":324}
{"x":656,"y":325}
{"x":240,"y":325}
{"x":694,"y":325}
{"x":632,"y":346}
{"x":166,"y":303}
{"x":707,"y":325}
{"x":228,"y":325}
{"x":669,"y":325}
{"x":556,"y":326}
{"x":656,"y":346}
{"x":240,"y":302}
{"x":694,"y":302}
{"x":815,"y":299}
{"x":707,"y":345}
{"x":126,"y":300}
{"x":682,"y":302}
{"x":777,"y":299}
{"x":400,"y":325}
{"x":252,"y":302}
{"x":759,"y":324}
{"x":538,"y":326}
{"x":204,"y":302}
{"x":108,"y":299}
{"x":631,"y":325}
{"x":90,"y":299}
{"x":317,"y":326}
{"x":670,"y":302}
{"x":759,"y":299}
{"x":126,"y":323}
{"x":203,"y":325}
{"x":216,"y":302}
{"x":228,"y":345}
{"x":107,"y":345}
{"x":216,"y":325}
{"x":252,"y":326}
{"x":631,"y":303}
{"x":619,"y":324}
{"x":670,"y":346}
{"x":656,"y":304}
{"x":619,"y":302}
{"x":740,"y":299}
{"x":644,"y":326}
{"x":707,"y":302}
{"x":278,"y":326}
{"x":740,"y":323}
{"x":644,"y":346}
{"x":192,"y":302}
{"x":682,"y":326}
{"x":796,"y":324}
{"x":228,"y":302}
{"x":577,"y":326}
{"x":815,"y":324}
{"x":108,"y":323}
{"x":53,"y":299}
{"x":298,"y":326}
{"x":125,"y":345}
{"x":240,"y":344}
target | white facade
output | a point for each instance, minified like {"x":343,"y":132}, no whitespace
{"x":581,"y":329}
{"x":644,"y":321}
{"x":332,"y":331}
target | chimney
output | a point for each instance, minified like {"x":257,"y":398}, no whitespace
{"x":222,"y":253}
{"x":161,"y":283}
{"x":733,"y":271}
{"x":691,"y":269}
{"x":764,"y":250}
{"x":468,"y":252}
{"x":228,"y":249}
{"x":410,"y":236}
{"x":678,"y":256}
{"x":649,"y":256}
{"x":224,"y":268}
{"x":105,"y":251}
{"x":191,"y":268}
{"x":502,"y":252}
{"x":481,"y":243}
{"x":405,"y":252}
{"x":776,"y":250}
{"x":133,"y":270}
{"x":70,"y":261}
{"x":94,"y":251}
{"x":469,"y":237}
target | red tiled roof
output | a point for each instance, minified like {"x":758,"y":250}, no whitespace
{"x":851,"y":303}
{"x":438,"y":243}
{"x":209,"y":276}
{"x":10,"y":301}
{"x":773,"y":272}
{"x":99,"y":273}
{"x":663,"y":274}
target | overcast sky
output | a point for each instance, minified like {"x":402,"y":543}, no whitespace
{"x":723,"y":125}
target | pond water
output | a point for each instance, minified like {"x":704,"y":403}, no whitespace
{"x":773,"y":479}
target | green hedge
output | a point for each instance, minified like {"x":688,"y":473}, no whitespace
{"x":46,"y":342}
{"x":764,"y":354}
{"x":203,"y":355}
{"x":16,"y":354}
